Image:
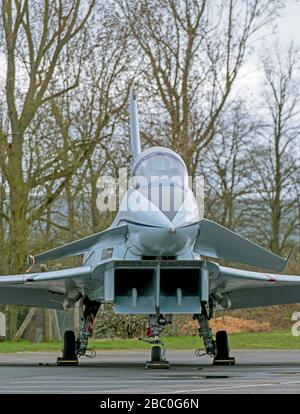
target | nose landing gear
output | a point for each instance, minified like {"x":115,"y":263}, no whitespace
{"x":155,"y":327}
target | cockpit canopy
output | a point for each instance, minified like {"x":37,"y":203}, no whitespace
{"x":160,"y":184}
{"x":158,"y":163}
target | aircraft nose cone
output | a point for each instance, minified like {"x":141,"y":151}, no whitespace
{"x":168,"y":240}
{"x":163,"y":241}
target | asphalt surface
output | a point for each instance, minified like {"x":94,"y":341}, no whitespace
{"x":275,"y":372}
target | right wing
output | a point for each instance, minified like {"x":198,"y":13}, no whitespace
{"x":81,"y":246}
{"x":44,"y":289}
{"x":50,"y":289}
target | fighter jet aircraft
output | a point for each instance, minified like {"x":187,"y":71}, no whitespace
{"x":151,"y":261}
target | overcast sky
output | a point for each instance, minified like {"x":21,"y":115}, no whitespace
{"x":250,"y":79}
{"x":289,"y":27}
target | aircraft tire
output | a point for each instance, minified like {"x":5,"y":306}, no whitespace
{"x":69,"y":345}
{"x":222,"y":345}
{"x":155,"y":353}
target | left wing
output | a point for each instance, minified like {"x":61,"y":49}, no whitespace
{"x":45,"y":289}
{"x":245,"y":289}
{"x":216,"y":241}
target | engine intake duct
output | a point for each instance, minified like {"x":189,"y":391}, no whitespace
{"x":158,"y":284}
{"x":179,"y":289}
{"x":134,"y":290}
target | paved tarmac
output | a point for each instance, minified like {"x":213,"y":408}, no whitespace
{"x":275,"y":372}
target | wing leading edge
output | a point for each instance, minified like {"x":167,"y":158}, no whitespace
{"x":81,"y":246}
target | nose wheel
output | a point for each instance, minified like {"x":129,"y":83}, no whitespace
{"x":158,"y":360}
{"x":156,"y":354}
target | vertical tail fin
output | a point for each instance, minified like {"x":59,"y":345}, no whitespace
{"x":134,"y":126}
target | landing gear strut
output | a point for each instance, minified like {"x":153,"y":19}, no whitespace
{"x":73,"y":349}
{"x":216,"y":348}
{"x":205,"y":332}
{"x":155,"y":327}
{"x":87,"y":326}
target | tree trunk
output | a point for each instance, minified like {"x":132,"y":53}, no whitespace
{"x":47,"y":325}
{"x":2,"y":224}
{"x":94,"y":192}
{"x":17,"y":221}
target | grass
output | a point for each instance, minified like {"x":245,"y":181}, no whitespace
{"x":261,"y":340}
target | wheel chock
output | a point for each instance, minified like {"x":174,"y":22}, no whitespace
{"x":157,"y":365}
{"x":67,"y":362}
{"x":224,"y":361}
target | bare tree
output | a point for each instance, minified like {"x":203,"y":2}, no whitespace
{"x":226,"y":169}
{"x":35,"y":34}
{"x":275,"y":158}
{"x":3,"y":211}
{"x":97,"y":117}
{"x":34,"y":39}
{"x":193,"y":53}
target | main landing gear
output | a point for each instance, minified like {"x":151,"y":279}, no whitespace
{"x":155,"y":327}
{"x":216,"y":348}
{"x":73,"y":349}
